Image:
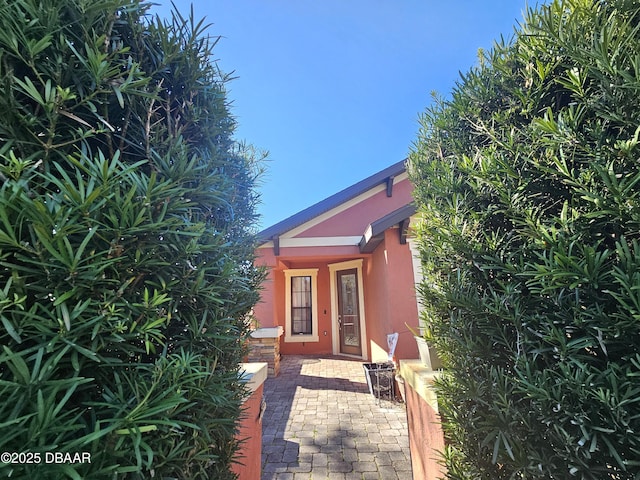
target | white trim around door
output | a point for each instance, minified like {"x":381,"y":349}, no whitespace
{"x":333,"y":268}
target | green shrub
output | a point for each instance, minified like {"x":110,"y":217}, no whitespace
{"x":126,"y":243}
{"x":527,"y":179}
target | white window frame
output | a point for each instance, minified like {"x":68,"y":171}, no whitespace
{"x":288,"y":335}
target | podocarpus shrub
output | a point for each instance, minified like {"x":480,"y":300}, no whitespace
{"x":126,"y":221}
{"x":527,"y":179}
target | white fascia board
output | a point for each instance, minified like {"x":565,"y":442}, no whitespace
{"x":320,"y":241}
{"x":368,"y":233}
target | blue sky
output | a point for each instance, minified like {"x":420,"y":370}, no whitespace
{"x":333,"y":89}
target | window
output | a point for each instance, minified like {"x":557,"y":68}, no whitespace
{"x":301,"y":312}
{"x":301,"y":305}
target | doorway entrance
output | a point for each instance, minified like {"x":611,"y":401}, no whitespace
{"x":348,"y":312}
{"x":347,"y":302}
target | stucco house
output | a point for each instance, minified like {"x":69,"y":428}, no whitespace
{"x":341,"y":275}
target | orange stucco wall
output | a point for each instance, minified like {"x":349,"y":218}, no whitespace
{"x":250,"y":436}
{"x":264,"y":310}
{"x":391,"y":299}
{"x":426,"y":440}
{"x":376,"y":305}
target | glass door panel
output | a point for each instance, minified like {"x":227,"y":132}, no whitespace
{"x":348,"y":312}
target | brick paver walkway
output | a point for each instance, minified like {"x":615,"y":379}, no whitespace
{"x":321,"y":422}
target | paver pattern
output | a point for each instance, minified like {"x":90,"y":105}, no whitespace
{"x":322,"y":423}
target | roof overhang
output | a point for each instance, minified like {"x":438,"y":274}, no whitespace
{"x":374,"y":234}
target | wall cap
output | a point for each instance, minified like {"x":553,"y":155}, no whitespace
{"x":253,"y":374}
{"x":267,"y":332}
{"x":421,"y":379}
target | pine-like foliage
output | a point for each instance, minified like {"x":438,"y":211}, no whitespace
{"x":528,"y":180}
{"x":126,"y":219}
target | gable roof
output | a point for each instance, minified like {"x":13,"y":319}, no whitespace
{"x":384,"y":176}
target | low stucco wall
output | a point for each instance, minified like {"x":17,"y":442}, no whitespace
{"x":250,"y":428}
{"x":426,"y":440}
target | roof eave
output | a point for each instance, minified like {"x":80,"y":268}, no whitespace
{"x":374,"y":234}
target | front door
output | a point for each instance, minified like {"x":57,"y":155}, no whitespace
{"x":348,"y":311}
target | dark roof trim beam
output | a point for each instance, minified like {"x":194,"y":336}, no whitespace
{"x":404,"y":230}
{"x":390,"y":186}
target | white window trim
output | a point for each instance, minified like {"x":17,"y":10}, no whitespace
{"x":333,"y":268}
{"x":301,"y":272}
